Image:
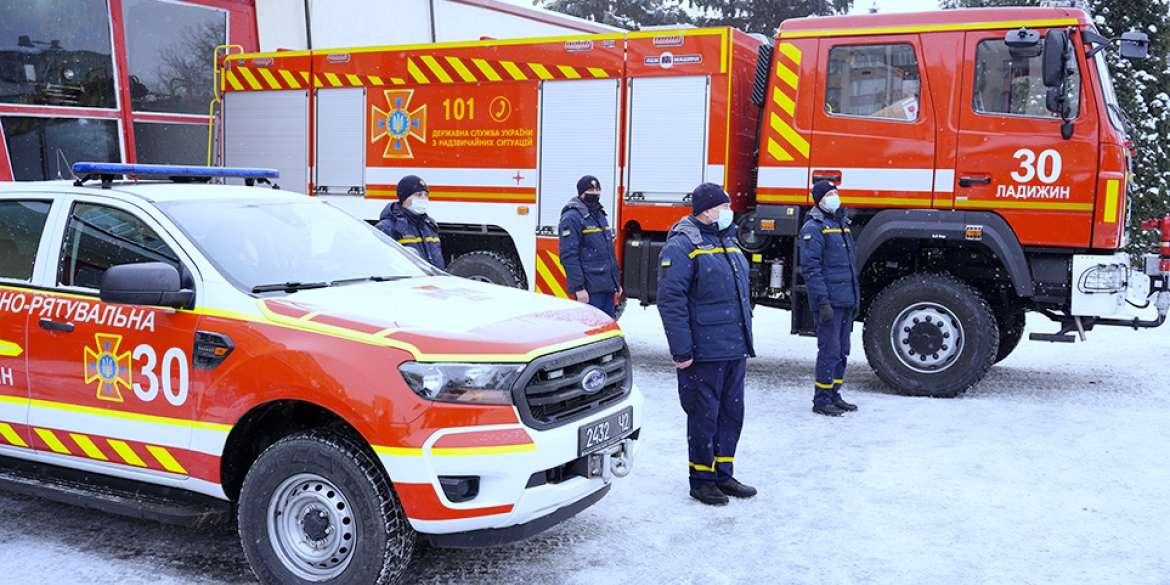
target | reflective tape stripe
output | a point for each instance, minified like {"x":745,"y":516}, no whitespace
{"x":724,"y":459}
{"x":410,"y":241}
{"x":10,"y":435}
{"x":590,"y":230}
{"x":87,"y":445}
{"x":126,"y":453}
{"x":698,"y":467}
{"x":164,"y":457}
{"x":712,"y":251}
{"x":52,"y":441}
{"x":820,"y":385}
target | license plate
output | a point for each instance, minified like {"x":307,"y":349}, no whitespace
{"x":605,"y":432}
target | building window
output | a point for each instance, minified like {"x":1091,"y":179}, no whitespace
{"x":170,"y":49}
{"x":56,"y":53}
{"x":1004,"y":85}
{"x":41,"y":149}
{"x":175,"y":144}
{"x":879,"y":81}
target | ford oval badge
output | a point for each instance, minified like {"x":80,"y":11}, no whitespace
{"x":594,"y":380}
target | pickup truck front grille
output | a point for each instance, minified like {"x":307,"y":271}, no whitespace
{"x":553,"y":392}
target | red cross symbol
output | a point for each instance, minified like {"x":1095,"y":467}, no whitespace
{"x":518,"y":177}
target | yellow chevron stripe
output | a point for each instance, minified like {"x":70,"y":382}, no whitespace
{"x":787,"y":75}
{"x":787,"y":133}
{"x":353,"y":80}
{"x":486,"y":69}
{"x":270,"y":79}
{"x":569,"y":72}
{"x":126,"y":453}
{"x":232,"y":81}
{"x":778,"y":151}
{"x":397,"y":81}
{"x":540,"y":71}
{"x":9,"y":349}
{"x":1111,"y":201}
{"x":52,"y":441}
{"x":249,"y":78}
{"x":164,"y":457}
{"x":437,"y":69}
{"x":290,"y":79}
{"x":790,"y":51}
{"x":550,"y":279}
{"x":375,"y":80}
{"x":783,"y":101}
{"x":305,"y":76}
{"x":87,"y":445}
{"x":513,"y":70}
{"x":333,"y":79}
{"x":10,"y":435}
{"x":457,"y":64}
{"x":598,"y":73}
{"x":415,"y":72}
{"x":317,"y":82}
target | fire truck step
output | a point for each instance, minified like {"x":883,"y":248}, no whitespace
{"x":1055,"y":337}
{"x":113,"y":495}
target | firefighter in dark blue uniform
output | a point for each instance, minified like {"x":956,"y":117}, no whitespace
{"x":406,"y":221}
{"x":591,"y":268}
{"x":828,"y":262}
{"x":705,"y":305}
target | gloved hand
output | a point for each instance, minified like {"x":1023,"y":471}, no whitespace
{"x":826,"y":312}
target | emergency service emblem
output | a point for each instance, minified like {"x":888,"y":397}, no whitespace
{"x":107,"y":368}
{"x":398,"y":124}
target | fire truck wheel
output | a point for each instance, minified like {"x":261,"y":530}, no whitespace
{"x":1011,"y":331}
{"x":316,"y":506}
{"x":489,"y":266}
{"x":930,"y":335}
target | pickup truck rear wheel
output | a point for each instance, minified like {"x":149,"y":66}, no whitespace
{"x":316,"y":506}
{"x":930,"y":335}
{"x":489,"y":266}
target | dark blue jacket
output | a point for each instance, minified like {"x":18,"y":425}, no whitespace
{"x":828,"y":260}
{"x":413,"y":230}
{"x":587,"y":251}
{"x":703,"y":295}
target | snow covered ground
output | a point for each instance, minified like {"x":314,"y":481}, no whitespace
{"x":1052,"y":470}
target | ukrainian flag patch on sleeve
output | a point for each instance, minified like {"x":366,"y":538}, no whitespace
{"x":808,"y":236}
{"x":566,"y":233}
{"x":666,"y":261}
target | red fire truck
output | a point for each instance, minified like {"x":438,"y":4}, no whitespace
{"x":982,"y":152}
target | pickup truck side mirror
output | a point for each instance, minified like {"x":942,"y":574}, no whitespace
{"x":147,"y":283}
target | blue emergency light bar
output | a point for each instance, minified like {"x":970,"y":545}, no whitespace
{"x":107,"y":171}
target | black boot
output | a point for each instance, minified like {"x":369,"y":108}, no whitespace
{"x":828,"y":410}
{"x":736,"y":489}
{"x":845,"y":406}
{"x":709,"y":494}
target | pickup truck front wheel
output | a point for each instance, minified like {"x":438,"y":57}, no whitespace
{"x":930,"y":335}
{"x":316,"y":507}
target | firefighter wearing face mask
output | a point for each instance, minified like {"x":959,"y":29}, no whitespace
{"x":591,"y":268}
{"x":406,"y":221}
{"x":828,"y":262}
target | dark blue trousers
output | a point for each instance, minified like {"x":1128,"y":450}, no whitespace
{"x":832,"y":354}
{"x":603,"y":301}
{"x":711,"y":394}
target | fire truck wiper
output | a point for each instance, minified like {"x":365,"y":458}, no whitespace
{"x":367,"y":279}
{"x":289,"y":287}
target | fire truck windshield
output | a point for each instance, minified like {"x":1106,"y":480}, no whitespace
{"x":309,"y":244}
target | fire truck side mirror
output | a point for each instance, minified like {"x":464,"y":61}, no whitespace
{"x":1056,"y":51}
{"x":1135,"y":46}
{"x":1023,"y":43}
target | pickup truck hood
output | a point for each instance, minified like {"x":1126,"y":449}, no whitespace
{"x":444,"y":318}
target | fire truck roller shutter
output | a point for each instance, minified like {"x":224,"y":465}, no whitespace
{"x":668,"y":137}
{"x":341,"y":123}
{"x":269,"y":130}
{"x":578,"y":136}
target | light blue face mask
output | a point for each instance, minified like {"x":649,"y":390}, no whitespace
{"x":831,"y":202}
{"x":725,"y":218}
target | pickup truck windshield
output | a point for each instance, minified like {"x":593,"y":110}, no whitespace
{"x":262,"y":244}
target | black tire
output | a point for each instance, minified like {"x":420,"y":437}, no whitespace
{"x":1011,"y":331}
{"x":930,"y":335}
{"x":620,"y":308}
{"x":489,"y":266}
{"x":324,"y":487}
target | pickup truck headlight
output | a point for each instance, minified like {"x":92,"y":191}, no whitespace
{"x":469,"y":383}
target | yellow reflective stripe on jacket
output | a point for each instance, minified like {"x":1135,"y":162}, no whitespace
{"x":833,"y":230}
{"x":702,"y":467}
{"x":591,"y":230}
{"x":712,"y":251}
{"x":430,"y":239}
{"x":410,"y":240}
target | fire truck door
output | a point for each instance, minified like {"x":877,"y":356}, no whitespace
{"x":874,"y":122}
{"x":340,"y":153}
{"x":1011,"y":157}
{"x":269,"y":129}
{"x":668,"y":130}
{"x":111,"y":385}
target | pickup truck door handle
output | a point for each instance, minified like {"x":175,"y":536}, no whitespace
{"x":55,"y":326}
{"x":968,"y":181}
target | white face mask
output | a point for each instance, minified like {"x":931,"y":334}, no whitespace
{"x":724,"y":219}
{"x":831,"y":202}
{"x":418,"y":205}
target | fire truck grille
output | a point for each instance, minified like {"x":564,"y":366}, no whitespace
{"x":566,"y":386}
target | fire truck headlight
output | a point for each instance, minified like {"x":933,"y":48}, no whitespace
{"x":466,"y":383}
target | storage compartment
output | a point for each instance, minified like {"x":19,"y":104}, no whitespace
{"x":640,"y":274}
